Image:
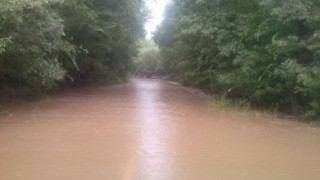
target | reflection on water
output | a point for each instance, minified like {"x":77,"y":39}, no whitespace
{"x":154,"y":159}
{"x":149,"y":130}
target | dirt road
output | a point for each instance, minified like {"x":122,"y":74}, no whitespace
{"x":149,"y":130}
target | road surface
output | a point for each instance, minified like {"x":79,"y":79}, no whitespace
{"x":149,"y":130}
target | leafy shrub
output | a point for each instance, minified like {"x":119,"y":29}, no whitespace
{"x":265,"y":52}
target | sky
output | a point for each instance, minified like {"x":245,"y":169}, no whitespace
{"x":156,"y":8}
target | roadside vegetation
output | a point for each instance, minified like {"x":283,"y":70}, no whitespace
{"x":45,"y":44}
{"x":245,"y":53}
{"x":264,"y":52}
{"x":148,"y":63}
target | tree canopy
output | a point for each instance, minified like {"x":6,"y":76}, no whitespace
{"x":45,"y":43}
{"x":265,"y":51}
{"x":149,"y":62}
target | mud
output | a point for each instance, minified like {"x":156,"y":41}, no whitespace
{"x":149,"y":130}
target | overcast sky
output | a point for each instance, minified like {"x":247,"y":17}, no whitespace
{"x":157,"y":8}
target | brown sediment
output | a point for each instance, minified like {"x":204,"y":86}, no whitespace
{"x":149,"y":130}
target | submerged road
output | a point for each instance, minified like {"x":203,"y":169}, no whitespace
{"x":149,"y":130}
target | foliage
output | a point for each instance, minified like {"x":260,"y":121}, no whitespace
{"x":148,"y":62}
{"x":105,"y":34}
{"x":31,"y":35}
{"x":223,"y":102}
{"x":264,"y":51}
{"x":43,"y":42}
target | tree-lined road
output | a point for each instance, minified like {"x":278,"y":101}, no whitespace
{"x":149,"y":130}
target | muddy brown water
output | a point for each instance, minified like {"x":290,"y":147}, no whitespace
{"x":149,"y":130}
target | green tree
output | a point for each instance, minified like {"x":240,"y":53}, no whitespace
{"x":46,"y":43}
{"x":148,"y":62}
{"x":31,"y":42}
{"x":265,"y":51}
{"x":105,"y":34}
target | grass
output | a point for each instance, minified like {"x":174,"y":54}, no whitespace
{"x":222,"y":102}
{"x":315,"y":123}
{"x":4,"y":110}
{"x":241,"y":105}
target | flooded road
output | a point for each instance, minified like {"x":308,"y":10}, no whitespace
{"x":149,"y":130}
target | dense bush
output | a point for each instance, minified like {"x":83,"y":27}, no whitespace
{"x":43,"y":42}
{"x":106,"y":33}
{"x":148,"y":62}
{"x":266,"y":51}
{"x":32,"y":39}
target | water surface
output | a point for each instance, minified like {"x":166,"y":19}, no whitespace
{"x":149,"y":130}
